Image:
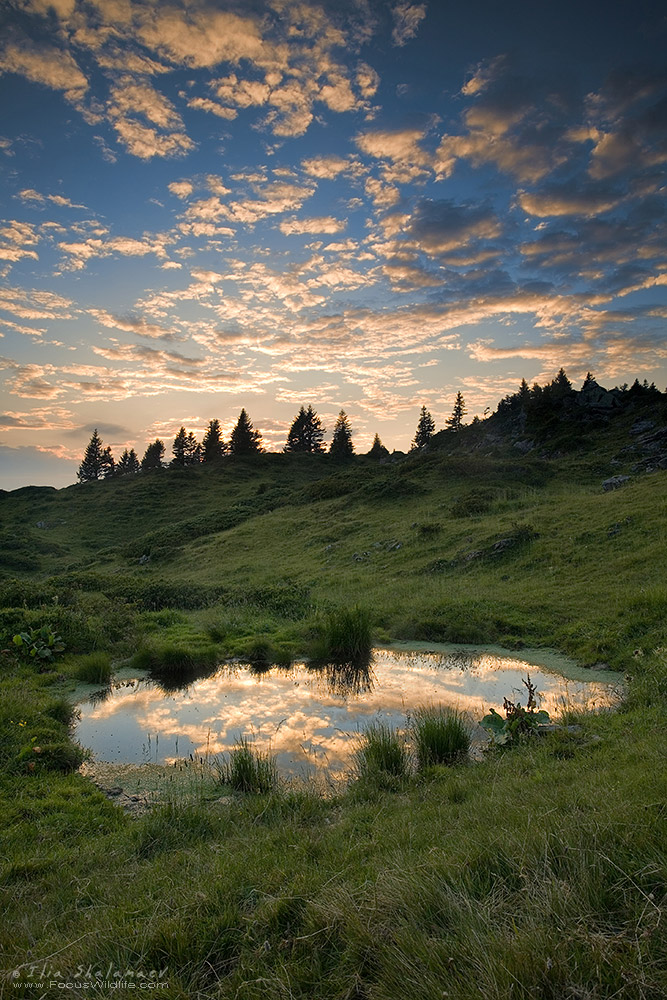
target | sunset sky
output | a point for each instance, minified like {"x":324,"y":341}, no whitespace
{"x":357,"y":204}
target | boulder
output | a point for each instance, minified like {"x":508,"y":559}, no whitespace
{"x":614,"y":483}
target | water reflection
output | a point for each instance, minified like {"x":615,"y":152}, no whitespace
{"x":308,"y":715}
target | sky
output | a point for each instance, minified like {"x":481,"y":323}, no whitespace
{"x":365,"y":205}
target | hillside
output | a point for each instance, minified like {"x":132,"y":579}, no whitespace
{"x":538,"y":872}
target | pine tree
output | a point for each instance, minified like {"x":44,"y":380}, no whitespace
{"x":178,"y":449}
{"x":128,"y":464}
{"x":425,"y":429}
{"x":91,"y":466}
{"x":378,"y":450}
{"x":213,"y":447}
{"x":455,"y":422}
{"x":245,"y":440}
{"x":192,"y":450}
{"x":107,"y":463}
{"x":306,"y":433}
{"x":341,"y":445}
{"x":561,"y":387}
{"x":153,"y":456}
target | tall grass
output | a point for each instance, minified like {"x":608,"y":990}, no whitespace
{"x":441,"y":735}
{"x":94,"y":668}
{"x":346,"y":636}
{"x":380,"y":750}
{"x":247,"y":769}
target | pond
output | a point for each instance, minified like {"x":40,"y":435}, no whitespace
{"x":309,"y":716}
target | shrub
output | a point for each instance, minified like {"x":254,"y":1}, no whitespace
{"x":346,"y":636}
{"x":441,"y":735}
{"x":380,"y":750}
{"x":248,"y":769}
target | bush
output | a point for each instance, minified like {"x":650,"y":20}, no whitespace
{"x":247,"y":769}
{"x":441,"y":735}
{"x":381,"y":750}
{"x":59,"y":755}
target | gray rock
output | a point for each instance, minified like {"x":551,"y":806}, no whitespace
{"x":641,"y":426}
{"x":144,"y":559}
{"x":614,"y":483}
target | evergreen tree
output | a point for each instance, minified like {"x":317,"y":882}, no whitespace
{"x":178,"y":449}
{"x":425,"y":429}
{"x":455,"y":422}
{"x":341,"y":445}
{"x":91,"y":466}
{"x":245,"y":440}
{"x":378,"y":450}
{"x":153,"y":456}
{"x":213,"y":447}
{"x":107,"y":463}
{"x":128,"y":463}
{"x":192,"y":450}
{"x":524,"y":392}
{"x":306,"y":433}
{"x":561,"y":387}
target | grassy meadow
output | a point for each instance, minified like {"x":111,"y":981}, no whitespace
{"x":538,"y":872}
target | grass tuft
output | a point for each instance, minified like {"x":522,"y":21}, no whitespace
{"x":248,"y":769}
{"x":93,"y":668}
{"x":441,"y":735}
{"x":380,"y":751}
{"x":347,"y":636}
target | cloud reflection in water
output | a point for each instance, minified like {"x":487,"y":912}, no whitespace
{"x":308,"y":715}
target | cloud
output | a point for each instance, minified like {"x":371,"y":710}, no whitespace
{"x":131,"y":324}
{"x":17,"y":240}
{"x":79,"y":253}
{"x":35,"y":304}
{"x":29,"y":194}
{"x":182,"y":189}
{"x":407,"y":18}
{"x":130,"y":98}
{"x":439,"y":227}
{"x":52,"y":68}
{"x":410,"y":162}
{"x":573,"y":198}
{"x":325,"y":167}
{"x":206,"y":104}
{"x":320,"y":224}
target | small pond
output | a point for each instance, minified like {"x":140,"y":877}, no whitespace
{"x":309,"y":716}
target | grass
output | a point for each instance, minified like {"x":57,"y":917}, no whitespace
{"x":381,"y":752}
{"x":441,"y":735}
{"x":346,"y":636}
{"x":247,"y":769}
{"x":93,"y":668}
{"x":537,"y":873}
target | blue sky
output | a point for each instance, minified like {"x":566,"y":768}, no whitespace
{"x":363,"y":205}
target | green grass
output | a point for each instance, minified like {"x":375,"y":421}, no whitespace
{"x":536,"y":873}
{"x":380,"y":752}
{"x":93,"y":668}
{"x":248,"y":769}
{"x":441,"y":735}
{"x":346,"y":636}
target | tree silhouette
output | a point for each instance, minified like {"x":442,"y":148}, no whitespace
{"x":425,"y":429}
{"x":378,"y":450}
{"x":107,"y":463}
{"x":306,"y":433}
{"x":178,"y":448}
{"x":128,"y":464}
{"x":245,"y":440}
{"x":91,"y":466}
{"x":341,"y":445}
{"x":153,"y":456}
{"x":192,"y":450}
{"x":213,"y":447}
{"x":455,"y":422}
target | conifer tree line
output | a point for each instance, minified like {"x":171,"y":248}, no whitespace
{"x":306,"y":433}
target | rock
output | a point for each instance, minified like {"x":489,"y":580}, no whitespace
{"x":614,"y":483}
{"x":641,"y":426}
{"x":41,"y":524}
{"x":144,"y":559}
{"x":503,"y":543}
{"x":524,"y":446}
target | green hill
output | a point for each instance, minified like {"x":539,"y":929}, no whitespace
{"x":538,"y":872}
